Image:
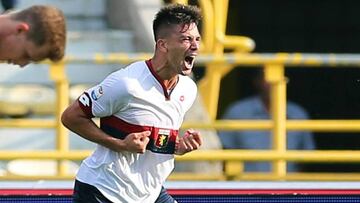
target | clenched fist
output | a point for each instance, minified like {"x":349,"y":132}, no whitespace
{"x":190,"y":141}
{"x":136,"y":142}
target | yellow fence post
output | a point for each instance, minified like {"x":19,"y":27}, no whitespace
{"x":274,"y":73}
{"x":210,"y":85}
{"x":57,"y":73}
{"x":233,"y":169}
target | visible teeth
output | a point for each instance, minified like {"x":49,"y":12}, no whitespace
{"x":189,"y":59}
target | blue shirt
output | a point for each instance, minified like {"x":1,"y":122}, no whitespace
{"x":253,"y":108}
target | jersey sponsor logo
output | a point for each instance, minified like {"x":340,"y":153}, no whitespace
{"x":97,"y":93}
{"x":84,"y":99}
{"x":162,"y":138}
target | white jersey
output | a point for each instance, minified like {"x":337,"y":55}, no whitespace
{"x":129,"y":100}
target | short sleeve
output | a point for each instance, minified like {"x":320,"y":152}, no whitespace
{"x":106,"y":98}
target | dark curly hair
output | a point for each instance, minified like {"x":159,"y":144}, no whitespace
{"x":175,"y":14}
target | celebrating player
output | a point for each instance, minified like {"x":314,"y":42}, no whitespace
{"x":141,"y":108}
{"x":33,"y":34}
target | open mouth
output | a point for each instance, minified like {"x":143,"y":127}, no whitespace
{"x":189,"y":59}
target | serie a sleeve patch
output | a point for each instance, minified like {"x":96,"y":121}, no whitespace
{"x":85,"y":104}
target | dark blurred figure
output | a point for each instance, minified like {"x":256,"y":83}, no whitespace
{"x":257,"y":107}
{"x":8,"y":4}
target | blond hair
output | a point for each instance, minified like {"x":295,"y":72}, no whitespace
{"x":47,"y":26}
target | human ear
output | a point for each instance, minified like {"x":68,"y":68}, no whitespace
{"x":23,"y":27}
{"x":162,"y":45}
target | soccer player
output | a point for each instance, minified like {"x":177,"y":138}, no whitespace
{"x":141,"y":108}
{"x":32,"y":34}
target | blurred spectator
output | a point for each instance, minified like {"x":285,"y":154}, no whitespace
{"x":8,"y":4}
{"x":258,"y":107}
{"x":32,"y":34}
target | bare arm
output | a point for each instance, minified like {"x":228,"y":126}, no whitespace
{"x":77,"y":121}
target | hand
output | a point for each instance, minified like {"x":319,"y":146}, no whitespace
{"x":136,"y":142}
{"x":190,"y":141}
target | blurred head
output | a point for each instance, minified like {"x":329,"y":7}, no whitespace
{"x":261,"y":86}
{"x":34,"y":34}
{"x":177,"y":36}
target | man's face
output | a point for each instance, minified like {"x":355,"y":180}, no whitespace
{"x":17,"y":49}
{"x":183,"y":46}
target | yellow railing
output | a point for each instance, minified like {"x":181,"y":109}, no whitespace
{"x":274,"y":68}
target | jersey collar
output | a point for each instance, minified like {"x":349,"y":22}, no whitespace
{"x":153,"y":72}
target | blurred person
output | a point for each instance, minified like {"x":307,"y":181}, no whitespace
{"x":8,"y":4}
{"x":258,"y":107}
{"x":141,"y":108}
{"x":32,"y":35}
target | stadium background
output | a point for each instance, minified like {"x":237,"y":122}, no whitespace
{"x":310,"y":27}
{"x":324,"y":26}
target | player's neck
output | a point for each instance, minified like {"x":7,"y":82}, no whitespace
{"x":171,"y":83}
{"x":162,"y":68}
{"x":168,"y":77}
